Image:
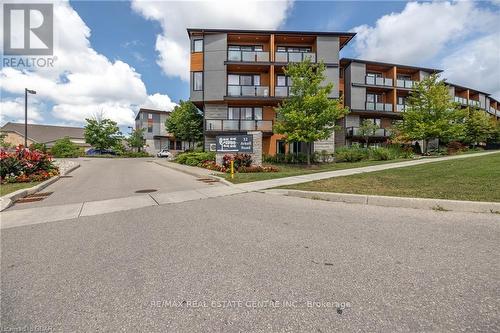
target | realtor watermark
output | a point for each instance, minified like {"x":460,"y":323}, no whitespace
{"x":28,"y":35}
{"x":249,"y":304}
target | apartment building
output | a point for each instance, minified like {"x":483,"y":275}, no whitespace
{"x":237,"y":79}
{"x":155,"y":133}
{"x":468,"y":97}
{"x":375,"y":91}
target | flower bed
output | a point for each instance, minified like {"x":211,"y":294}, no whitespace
{"x":25,"y":165}
{"x":242,"y":164}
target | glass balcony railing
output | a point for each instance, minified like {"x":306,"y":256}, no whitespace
{"x":252,"y":91}
{"x":230,"y":125}
{"x":401,"y":107}
{"x":247,"y":56}
{"x":378,"y":81}
{"x":294,"y":56}
{"x":460,"y":100}
{"x":282,"y":91}
{"x":492,"y":110}
{"x":379,"y":106}
{"x":379,"y":132}
{"x":405,"y":83}
{"x":474,"y":103}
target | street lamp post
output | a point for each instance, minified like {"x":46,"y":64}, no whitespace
{"x":26,"y":92}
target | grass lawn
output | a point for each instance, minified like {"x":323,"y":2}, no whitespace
{"x":474,"y":178}
{"x":288,"y":170}
{"x":11,"y":187}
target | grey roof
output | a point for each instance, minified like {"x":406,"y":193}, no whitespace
{"x":44,"y":133}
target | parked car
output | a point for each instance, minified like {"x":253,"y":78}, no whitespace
{"x":93,"y":151}
{"x":164,"y":153}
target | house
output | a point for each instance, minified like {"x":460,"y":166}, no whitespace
{"x":155,"y":133}
{"x":45,"y":134}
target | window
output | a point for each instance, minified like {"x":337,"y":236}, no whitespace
{"x":244,"y":113}
{"x":372,"y":74}
{"x":404,"y":77}
{"x":243,"y":80}
{"x":292,"y":49}
{"x":373,"y":98}
{"x":171,"y":144}
{"x":376,"y":121}
{"x":233,"y":79}
{"x":245,"y":48}
{"x":197,"y":81}
{"x":178,"y":145}
{"x":198,"y":45}
{"x":257,"y":113}
{"x":150,"y":116}
{"x":281,"y":81}
{"x":280,"y":147}
{"x":233,"y":113}
{"x":246,"y":80}
{"x":150,"y":128}
{"x":402,"y":100}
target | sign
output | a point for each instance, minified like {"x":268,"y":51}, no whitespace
{"x":234,"y":144}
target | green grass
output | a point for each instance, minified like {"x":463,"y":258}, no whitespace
{"x":474,"y":178}
{"x":288,"y":170}
{"x":12,"y":187}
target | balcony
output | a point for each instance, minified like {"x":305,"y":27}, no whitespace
{"x":460,"y":100}
{"x":401,"y":107}
{"x":228,"y":125}
{"x":405,"y":84}
{"x":474,"y":103}
{"x":250,"y":91}
{"x":247,"y":56}
{"x":294,"y":56}
{"x":378,"y":133}
{"x":378,"y":81}
{"x":282,"y":91}
{"x":492,"y":110}
{"x":386,"y":107}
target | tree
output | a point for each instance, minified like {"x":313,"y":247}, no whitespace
{"x":367,"y":129}
{"x":136,"y":139}
{"x":3,"y":143}
{"x":65,"y":148}
{"x":478,"y":127}
{"x":102,"y":133}
{"x":308,"y":114}
{"x":431,"y":114}
{"x":185,"y":123}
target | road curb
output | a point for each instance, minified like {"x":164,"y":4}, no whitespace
{"x":185,"y":169}
{"x":386,"y":201}
{"x":7,"y":200}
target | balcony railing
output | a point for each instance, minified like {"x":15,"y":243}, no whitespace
{"x":294,"y":56}
{"x":378,"y":81}
{"x":492,"y":110}
{"x":460,"y":100}
{"x":281,"y":91}
{"x":248,"y":56}
{"x":379,"y":132}
{"x":405,"y":83}
{"x":229,"y":125}
{"x":401,"y":107}
{"x":474,"y":103}
{"x":379,"y":106}
{"x":252,"y":91}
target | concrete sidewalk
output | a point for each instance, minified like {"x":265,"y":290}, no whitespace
{"x":266,"y":184}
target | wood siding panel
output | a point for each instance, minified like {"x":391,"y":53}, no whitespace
{"x":197,"y":62}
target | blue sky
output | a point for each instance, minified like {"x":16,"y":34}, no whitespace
{"x":116,"y":56}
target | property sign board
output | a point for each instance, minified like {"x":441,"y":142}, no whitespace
{"x":234,"y":144}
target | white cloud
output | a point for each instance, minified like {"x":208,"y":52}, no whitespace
{"x":82,"y":81}
{"x":421,"y":31}
{"x":476,"y":64}
{"x":13,"y":110}
{"x":175,"y":16}
{"x":159,"y":102}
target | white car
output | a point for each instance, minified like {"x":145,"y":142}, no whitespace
{"x":164,"y":153}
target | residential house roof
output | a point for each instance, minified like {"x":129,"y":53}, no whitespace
{"x":44,"y":133}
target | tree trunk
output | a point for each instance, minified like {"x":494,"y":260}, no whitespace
{"x":308,"y":153}
{"x":426,"y":146}
{"x":367,"y":140}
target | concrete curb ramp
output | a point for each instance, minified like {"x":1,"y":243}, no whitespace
{"x":7,"y":200}
{"x":22,"y":217}
{"x":378,"y":200}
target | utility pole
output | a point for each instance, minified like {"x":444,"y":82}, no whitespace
{"x":26,"y":92}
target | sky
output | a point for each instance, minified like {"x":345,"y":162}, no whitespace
{"x":114,"y":57}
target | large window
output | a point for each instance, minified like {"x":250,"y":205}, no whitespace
{"x":292,"y":49}
{"x":244,"y":113}
{"x":374,"y":98}
{"x":376,"y":121}
{"x":243,"y":80}
{"x":245,"y":48}
{"x":178,"y":145}
{"x":283,"y":80}
{"x":197,"y":80}
{"x":373,"y":74}
{"x":197,"y":45}
{"x":280,"y":147}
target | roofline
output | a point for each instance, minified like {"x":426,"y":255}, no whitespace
{"x":9,"y":122}
{"x":150,"y":111}
{"x":350,"y":35}
{"x":468,"y":88}
{"x":349,"y":60}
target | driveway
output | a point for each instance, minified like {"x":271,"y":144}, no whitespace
{"x":109,"y":178}
{"x":255,"y":262}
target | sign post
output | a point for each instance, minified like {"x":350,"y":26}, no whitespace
{"x":232,"y":169}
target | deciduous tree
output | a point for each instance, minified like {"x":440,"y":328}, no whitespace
{"x":186,"y":122}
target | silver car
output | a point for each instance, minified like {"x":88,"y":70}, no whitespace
{"x":164,"y":153}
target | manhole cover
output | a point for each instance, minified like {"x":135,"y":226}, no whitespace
{"x":146,"y":191}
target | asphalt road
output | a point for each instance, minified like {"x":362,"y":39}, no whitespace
{"x":105,"y":178}
{"x":255,"y":262}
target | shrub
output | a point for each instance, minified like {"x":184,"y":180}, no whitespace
{"x":351,"y":154}
{"x":381,"y":154}
{"x":39,"y":146}
{"x":454,"y":147}
{"x":256,"y":168}
{"x":25,"y":165}
{"x":194,"y":158}
{"x":240,"y":160}
{"x":65,"y":148}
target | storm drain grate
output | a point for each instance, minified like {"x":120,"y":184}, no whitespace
{"x":34,"y":197}
{"x":66,"y":177}
{"x":207,"y":180}
{"x":146,"y":191}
